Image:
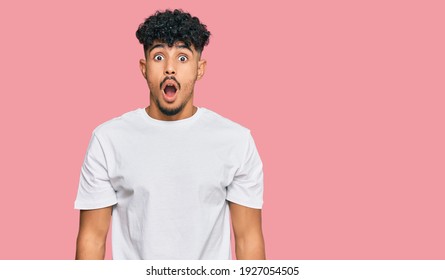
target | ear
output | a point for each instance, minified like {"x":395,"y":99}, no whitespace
{"x":143,"y":66}
{"x":201,"y":68}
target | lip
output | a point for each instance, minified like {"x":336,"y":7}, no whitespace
{"x":170,"y":82}
{"x":169,"y":99}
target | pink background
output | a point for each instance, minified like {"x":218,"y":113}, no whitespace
{"x":345,"y":100}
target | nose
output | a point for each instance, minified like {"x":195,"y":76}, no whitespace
{"x":170,"y":68}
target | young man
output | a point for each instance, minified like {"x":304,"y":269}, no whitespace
{"x":171,"y":175}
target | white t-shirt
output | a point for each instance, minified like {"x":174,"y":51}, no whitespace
{"x":169,"y":182}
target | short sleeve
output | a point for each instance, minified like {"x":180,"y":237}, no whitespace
{"x":95,"y":190}
{"x":247,"y":186}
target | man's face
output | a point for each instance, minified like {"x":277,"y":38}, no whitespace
{"x":171,"y":73}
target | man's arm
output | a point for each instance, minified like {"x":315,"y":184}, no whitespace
{"x":93,"y":229}
{"x":249,"y":242}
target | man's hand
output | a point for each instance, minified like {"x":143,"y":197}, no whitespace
{"x":93,"y":229}
{"x":249,"y":242}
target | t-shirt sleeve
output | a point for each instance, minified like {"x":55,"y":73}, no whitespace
{"x":247,"y":186}
{"x":95,"y":190}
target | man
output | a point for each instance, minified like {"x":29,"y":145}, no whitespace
{"x":171,"y":175}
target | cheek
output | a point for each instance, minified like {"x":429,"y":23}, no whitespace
{"x":189,"y":75}
{"x":153,"y":78}
{"x":151,"y":85}
{"x":188,"y":83}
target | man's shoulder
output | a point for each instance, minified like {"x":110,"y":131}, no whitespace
{"x":220,"y":122}
{"x":117,"y":123}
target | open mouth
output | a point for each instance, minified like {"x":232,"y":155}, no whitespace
{"x":170,"y":89}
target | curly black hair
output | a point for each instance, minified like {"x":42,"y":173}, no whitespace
{"x":172,"y":26}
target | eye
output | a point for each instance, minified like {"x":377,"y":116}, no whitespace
{"x":183,"y":58}
{"x":158,"y":57}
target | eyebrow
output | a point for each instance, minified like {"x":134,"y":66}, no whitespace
{"x":162,"y":46}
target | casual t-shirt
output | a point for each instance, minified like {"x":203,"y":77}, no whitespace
{"x":169,"y":183}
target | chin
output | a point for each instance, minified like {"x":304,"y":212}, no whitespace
{"x":171,"y":111}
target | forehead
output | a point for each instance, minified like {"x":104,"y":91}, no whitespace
{"x":178,"y":45}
